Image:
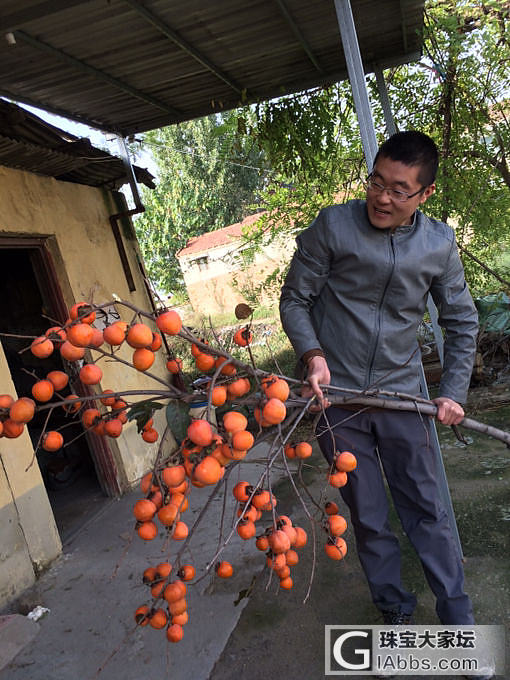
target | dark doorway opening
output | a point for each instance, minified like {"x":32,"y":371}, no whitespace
{"x":28,"y":307}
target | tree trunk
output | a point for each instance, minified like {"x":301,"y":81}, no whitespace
{"x":446,"y":109}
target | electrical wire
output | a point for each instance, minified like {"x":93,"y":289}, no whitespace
{"x":194,"y":153}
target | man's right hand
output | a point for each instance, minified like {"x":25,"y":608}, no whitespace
{"x":318,"y":374}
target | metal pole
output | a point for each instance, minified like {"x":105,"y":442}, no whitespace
{"x":385,"y":101}
{"x":357,"y":78}
{"x":391,"y":129}
{"x":436,"y":328}
{"x":126,"y":159}
{"x":368,"y":138}
{"x":442,"y":480}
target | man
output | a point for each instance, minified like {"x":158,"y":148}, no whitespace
{"x":355,"y":293}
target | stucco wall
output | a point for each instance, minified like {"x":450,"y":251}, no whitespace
{"x":74,"y":218}
{"x":88,"y":268}
{"x":218,"y":284}
{"x":28,"y":535}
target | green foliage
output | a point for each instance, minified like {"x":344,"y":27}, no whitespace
{"x":179,"y":297}
{"x":311,"y":142}
{"x":304,"y":135}
{"x":503,"y":265}
{"x":178,"y":419}
{"x":229,"y":318}
{"x":463,"y":85}
{"x":457,"y":93}
{"x":143,"y":411}
{"x":207,"y":180}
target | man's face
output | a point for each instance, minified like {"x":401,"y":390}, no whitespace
{"x":385,"y":212}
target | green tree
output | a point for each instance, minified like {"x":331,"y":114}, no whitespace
{"x":312,"y":143}
{"x":208,"y":178}
{"x":457,"y":93}
{"x":462,"y":88}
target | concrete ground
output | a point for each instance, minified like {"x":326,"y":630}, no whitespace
{"x":247,"y":627}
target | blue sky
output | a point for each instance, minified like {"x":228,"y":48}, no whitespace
{"x":96,"y":137}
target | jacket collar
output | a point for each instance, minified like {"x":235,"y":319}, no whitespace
{"x":404,"y":229}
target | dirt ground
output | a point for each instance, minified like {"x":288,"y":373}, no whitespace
{"x":279,"y":636}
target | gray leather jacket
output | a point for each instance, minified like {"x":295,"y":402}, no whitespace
{"x":359,"y":294}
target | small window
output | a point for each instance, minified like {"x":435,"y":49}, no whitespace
{"x":201,"y":263}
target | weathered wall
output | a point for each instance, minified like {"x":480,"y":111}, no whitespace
{"x":28,"y":535}
{"x":218,"y":284}
{"x":74,"y":220}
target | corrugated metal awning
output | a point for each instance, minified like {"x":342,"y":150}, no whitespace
{"x":129,"y":66}
{"x":29,"y":143}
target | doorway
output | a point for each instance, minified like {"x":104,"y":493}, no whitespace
{"x":28,"y":306}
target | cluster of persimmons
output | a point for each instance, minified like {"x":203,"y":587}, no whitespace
{"x":201,"y":459}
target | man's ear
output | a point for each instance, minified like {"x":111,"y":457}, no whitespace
{"x":427,"y":193}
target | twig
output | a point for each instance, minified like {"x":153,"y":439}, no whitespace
{"x":211,"y":387}
{"x":273,"y":357}
{"x":109,"y":355}
{"x":100,"y":395}
{"x":310,"y":518}
{"x":40,"y":439}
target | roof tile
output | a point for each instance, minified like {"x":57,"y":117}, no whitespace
{"x":217,"y":238}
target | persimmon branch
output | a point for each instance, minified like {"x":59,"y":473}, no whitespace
{"x":429,"y":409}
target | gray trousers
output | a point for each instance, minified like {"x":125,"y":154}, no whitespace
{"x":400,"y":443}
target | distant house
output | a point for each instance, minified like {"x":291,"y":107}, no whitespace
{"x":216,"y":275}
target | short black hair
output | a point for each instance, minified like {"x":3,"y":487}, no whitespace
{"x":413,"y":148}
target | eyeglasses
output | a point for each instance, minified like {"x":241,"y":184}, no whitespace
{"x":395,"y":194}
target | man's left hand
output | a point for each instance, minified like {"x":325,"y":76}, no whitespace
{"x":448,"y":411}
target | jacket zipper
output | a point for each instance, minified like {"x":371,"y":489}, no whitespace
{"x":379,"y":313}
